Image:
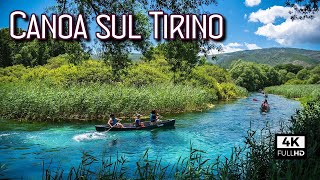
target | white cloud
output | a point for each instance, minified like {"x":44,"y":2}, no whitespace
{"x":269,"y":15}
{"x":235,"y":44}
{"x":233,"y":47}
{"x":252,"y":3}
{"x":287,"y":32}
{"x":245,"y":16}
{"x":252,"y":46}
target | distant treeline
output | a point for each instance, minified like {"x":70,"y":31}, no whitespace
{"x":255,"y":76}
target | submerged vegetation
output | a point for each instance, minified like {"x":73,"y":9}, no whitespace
{"x":56,"y":80}
{"x":255,"y":160}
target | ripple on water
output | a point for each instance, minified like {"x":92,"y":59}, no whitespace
{"x":215,"y":131}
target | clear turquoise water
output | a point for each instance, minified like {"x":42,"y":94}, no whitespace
{"x":217,"y":131}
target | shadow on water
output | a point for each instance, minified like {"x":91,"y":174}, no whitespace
{"x":154,"y":132}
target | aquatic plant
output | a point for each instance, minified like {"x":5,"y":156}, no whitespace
{"x":296,"y":91}
{"x":38,"y":101}
{"x":255,"y":160}
{"x":3,"y":168}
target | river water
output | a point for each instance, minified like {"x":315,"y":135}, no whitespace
{"x":25,"y":147}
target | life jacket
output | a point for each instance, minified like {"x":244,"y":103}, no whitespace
{"x":153,"y":117}
{"x":138,"y":122}
{"x":265,"y":106}
{"x":114,"y":121}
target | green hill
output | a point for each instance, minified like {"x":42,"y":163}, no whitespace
{"x":271,"y":56}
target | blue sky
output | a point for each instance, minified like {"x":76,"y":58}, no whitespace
{"x":251,"y":24}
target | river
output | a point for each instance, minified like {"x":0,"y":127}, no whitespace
{"x":24,"y":146}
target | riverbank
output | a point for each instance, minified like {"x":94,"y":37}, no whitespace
{"x":41,"y":102}
{"x":303,"y":92}
{"x":89,"y":90}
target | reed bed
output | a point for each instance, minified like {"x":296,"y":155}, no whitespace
{"x":296,"y":91}
{"x":41,"y":102}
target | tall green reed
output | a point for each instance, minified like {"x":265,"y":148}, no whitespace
{"x":95,"y":101}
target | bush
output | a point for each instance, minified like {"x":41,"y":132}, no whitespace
{"x":304,"y":74}
{"x":231,"y":91}
{"x":295,"y":81}
{"x":307,"y":121}
{"x":221,"y":75}
{"x":12,"y":73}
{"x":145,"y":74}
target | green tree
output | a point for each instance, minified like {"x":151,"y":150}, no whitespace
{"x":290,"y":75}
{"x":32,"y":54}
{"x":75,"y":52}
{"x":182,"y":57}
{"x":250,"y":75}
{"x":5,"y":48}
{"x":35,"y":52}
{"x":315,"y":75}
{"x":274,"y":77}
{"x":202,"y":60}
{"x":116,"y":52}
{"x":304,"y":74}
{"x":289,"y":67}
{"x":303,"y":8}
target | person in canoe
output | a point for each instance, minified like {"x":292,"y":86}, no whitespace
{"x":265,"y":106}
{"x":114,"y":122}
{"x":138,"y":121}
{"x":153,"y":116}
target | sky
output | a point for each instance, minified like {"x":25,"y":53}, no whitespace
{"x":250,"y":24}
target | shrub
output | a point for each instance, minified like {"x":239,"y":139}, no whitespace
{"x":12,"y":73}
{"x":144,"y":74}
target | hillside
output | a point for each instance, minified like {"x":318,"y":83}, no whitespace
{"x":271,"y":56}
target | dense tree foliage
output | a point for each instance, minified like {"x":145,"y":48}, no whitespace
{"x":36,"y":52}
{"x":306,"y":76}
{"x":254,"y":76}
{"x":182,"y":57}
{"x":6,"y":47}
{"x":115,"y":53}
{"x":289,"y":68}
{"x":303,"y":8}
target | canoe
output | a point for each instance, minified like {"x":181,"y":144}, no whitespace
{"x":131,"y":126}
{"x":265,"y":109}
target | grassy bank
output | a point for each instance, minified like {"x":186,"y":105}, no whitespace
{"x":61,"y":90}
{"x":96,"y":101}
{"x":303,"y":92}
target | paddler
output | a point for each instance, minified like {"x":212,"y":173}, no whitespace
{"x":114,"y":122}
